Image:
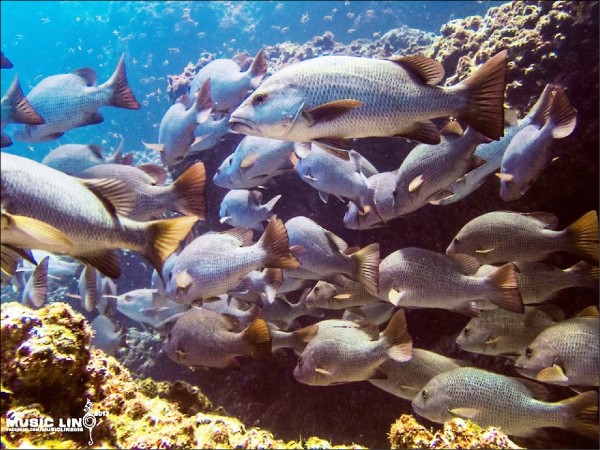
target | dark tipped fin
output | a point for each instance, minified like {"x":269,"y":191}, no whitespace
{"x":425,"y":132}
{"x":122,"y":95}
{"x":156,"y":172}
{"x":189,"y":189}
{"x":88,"y":75}
{"x":116,"y":195}
{"x":583,"y":234}
{"x":164,"y":236}
{"x":39,"y":294}
{"x":275,"y":242}
{"x":258,"y":336}
{"x":21,"y":110}
{"x":582,"y":414}
{"x":106,"y":262}
{"x":485,"y":90}
{"x":5,"y":64}
{"x":428,"y":70}
{"x":330,"y":111}
{"x":96,"y":150}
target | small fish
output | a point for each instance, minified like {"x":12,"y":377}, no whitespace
{"x":512,"y":404}
{"x":35,"y":292}
{"x":565,"y":353}
{"x":16,"y":109}
{"x":377,"y":313}
{"x":255,"y":162}
{"x":210,"y":133}
{"x":72,"y":100}
{"x":243,"y":208}
{"x":345,"y":97}
{"x":5,"y":62}
{"x":152,"y":200}
{"x":343,"y":352}
{"x":176,"y":133}
{"x":322,"y":252}
{"x":330,"y":176}
{"x":73,"y":159}
{"x":503,"y":236}
{"x":296,"y":340}
{"x":259,"y":287}
{"x":215,"y":263}
{"x":406,"y":379}
{"x":528,"y":153}
{"x":342,"y":293}
{"x":201,"y":337}
{"x":384,"y":186}
{"x":243,"y":312}
{"x":45,"y":209}
{"x":421,"y":278}
{"x":282,"y":314}
{"x":500,"y":332}
{"x":106,"y":336}
{"x":147,"y":306}
{"x":229,"y":86}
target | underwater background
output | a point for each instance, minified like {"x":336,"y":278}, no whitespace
{"x":554,"y":41}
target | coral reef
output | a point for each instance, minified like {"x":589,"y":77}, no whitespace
{"x":456,"y":433}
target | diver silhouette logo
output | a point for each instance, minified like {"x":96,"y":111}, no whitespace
{"x":89,"y":420}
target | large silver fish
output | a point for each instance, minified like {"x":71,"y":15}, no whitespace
{"x":503,"y":236}
{"x":16,"y":109}
{"x":43,"y":208}
{"x":229,"y":86}
{"x":72,"y":100}
{"x":243,"y":208}
{"x":201,"y":337}
{"x":73,"y":159}
{"x":512,"y":404}
{"x":344,"y":97}
{"x":152,"y":199}
{"x":255,"y":162}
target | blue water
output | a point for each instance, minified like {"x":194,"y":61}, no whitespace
{"x":160,"y":38}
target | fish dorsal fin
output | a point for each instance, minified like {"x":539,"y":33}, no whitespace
{"x":468,"y":264}
{"x":242,"y":234}
{"x":562,"y":115}
{"x":157,"y":173}
{"x":184,"y":99}
{"x":324,"y":196}
{"x":452,"y":128}
{"x":552,"y":374}
{"x":116,"y":195}
{"x":330,"y":111}
{"x":357,"y":159}
{"x":88,"y":74}
{"x":96,"y":150}
{"x":231,"y":322}
{"x":107,"y":262}
{"x":254,"y":197}
{"x":536,"y":390}
{"x":337,"y":242}
{"x":249,"y":161}
{"x":371,"y":329}
{"x":428,"y":70}
{"x":40,"y":283}
{"x":510,"y":117}
{"x":203,"y":102}
{"x":540,"y":112}
{"x":549,"y":220}
{"x":590,"y":311}
{"x":424,"y":132}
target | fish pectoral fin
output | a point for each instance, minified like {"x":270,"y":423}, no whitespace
{"x":324,"y":196}
{"x":465,"y":413}
{"x":506,"y":177}
{"x":416,"y":184}
{"x":310,"y":178}
{"x":425,"y":132}
{"x":439,"y":196}
{"x":183,"y":280}
{"x":395,"y":296}
{"x":484,"y":251}
{"x":342,"y":297}
{"x":224,"y":219}
{"x":106,"y":261}
{"x":35,"y":229}
{"x":553,"y":374}
{"x":154,"y":311}
{"x":249,"y":161}
{"x":116,"y":195}
{"x":492,"y":341}
{"x":323,"y":372}
{"x":330,"y":111}
{"x":297,"y":250}
{"x":452,"y":128}
{"x":427,"y":69}
{"x":156,"y":147}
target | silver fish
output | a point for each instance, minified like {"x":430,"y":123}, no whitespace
{"x":512,"y":404}
{"x":282,"y":314}
{"x":346,"y":97}
{"x":241,"y":311}
{"x":147,"y":306}
{"x":421,"y":278}
{"x":342,"y":293}
{"x":61,"y":269}
{"x":377,"y":313}
{"x":72,"y":100}
{"x":46,"y":209}
{"x":152,"y":199}
{"x":259,"y":287}
{"x":106,"y":336}
{"x":73,"y":159}
{"x":502,"y":236}
{"x":528,"y":153}
{"x":243,"y":208}
{"x":255,"y":162}
{"x":201,"y":337}
{"x":229,"y":86}
{"x":16,"y":109}
{"x":384,"y":186}
{"x":344,"y":353}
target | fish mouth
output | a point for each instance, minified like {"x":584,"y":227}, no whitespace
{"x":241,"y":125}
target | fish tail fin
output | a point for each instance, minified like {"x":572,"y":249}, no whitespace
{"x":163,"y":238}
{"x":581,"y":414}
{"x":271,"y":203}
{"x":21,"y":110}
{"x":273,"y":279}
{"x":583,"y":236}
{"x":122,"y":95}
{"x":485,"y":91}
{"x":39,"y":293}
{"x":367,"y":267}
{"x":505,"y":290}
{"x":258,"y":69}
{"x":276,"y":244}
{"x":396,"y":334}
{"x":562,"y":116}
{"x":585,"y":274}
{"x":258,"y":338}
{"x":189,"y":191}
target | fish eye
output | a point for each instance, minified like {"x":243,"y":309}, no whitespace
{"x":424,"y":394}
{"x":170,"y":275}
{"x":466,"y":331}
{"x":259,"y":99}
{"x":528,"y":352}
{"x":300,"y":361}
{"x":456,"y":241}
{"x":317,"y":289}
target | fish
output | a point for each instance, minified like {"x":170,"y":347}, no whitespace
{"x":67,"y":101}
{"x":176,"y":132}
{"x":415,"y":277}
{"x":342,"y":353}
{"x":322,"y":252}
{"x":152,"y":199}
{"x":73,"y":159}
{"x":255,"y":162}
{"x":5,"y":62}
{"x":61,"y":269}
{"x":428,"y":170}
{"x":241,"y":311}
{"x":229,"y":86}
{"x":201,"y":337}
{"x":35,"y":292}
{"x":342,"y":293}
{"x":282,"y":313}
{"x":330,"y":176}
{"x":209,"y":134}
{"x":377,"y":313}
{"x":406,"y":379}
{"x":344,"y":97}
{"x":259,"y":287}
{"x":214,"y":263}
{"x":500,"y":332}
{"x":503,"y":236}
{"x":243,"y":208}
{"x":43,"y":208}
{"x":106,"y":336}
{"x":493,"y":152}
{"x":147,"y":306}
{"x":565,"y":353}
{"x":511,"y":404}
{"x":529,"y":152}
{"x":15,"y":108}
{"x":296,"y":340}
